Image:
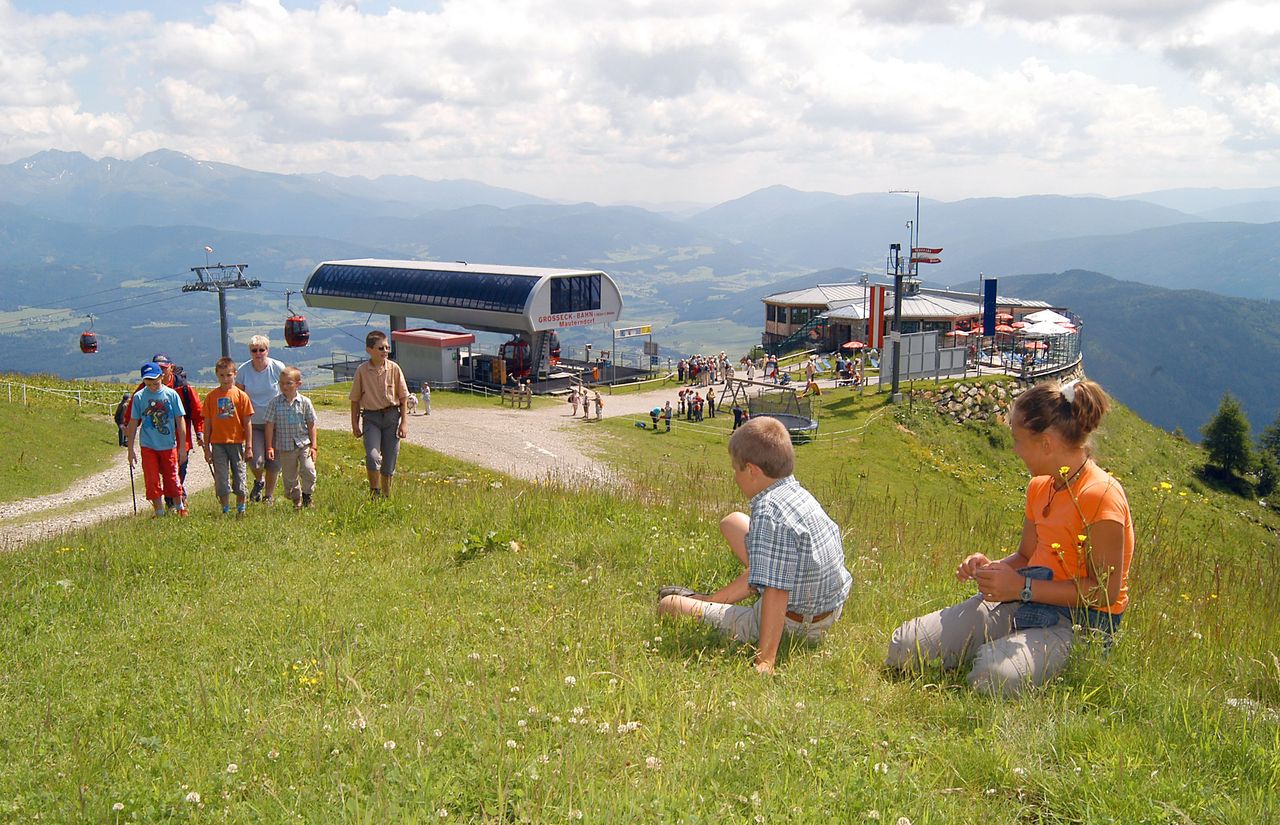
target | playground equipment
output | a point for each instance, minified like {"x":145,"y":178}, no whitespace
{"x":780,"y":401}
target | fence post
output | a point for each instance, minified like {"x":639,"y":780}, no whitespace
{"x":24,"y":394}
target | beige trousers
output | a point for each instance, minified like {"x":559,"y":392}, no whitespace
{"x":1005,"y":662}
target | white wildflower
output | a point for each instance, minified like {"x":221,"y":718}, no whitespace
{"x":653,"y":763}
{"x":389,"y":745}
{"x":119,"y":806}
{"x":232,"y":767}
{"x":570,"y":680}
{"x":193,"y":798}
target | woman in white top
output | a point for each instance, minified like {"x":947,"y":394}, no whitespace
{"x":260,"y":378}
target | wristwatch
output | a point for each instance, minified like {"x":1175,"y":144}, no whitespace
{"x":1026,"y":589}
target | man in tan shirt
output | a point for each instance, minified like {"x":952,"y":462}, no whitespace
{"x":379,"y":411}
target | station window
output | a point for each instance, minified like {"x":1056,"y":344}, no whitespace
{"x":575,"y":293}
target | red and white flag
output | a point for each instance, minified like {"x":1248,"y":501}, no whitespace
{"x":921,"y":259}
{"x":925,"y":250}
{"x":875,"y":317}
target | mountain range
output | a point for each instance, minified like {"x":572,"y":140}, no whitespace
{"x":118,"y":238}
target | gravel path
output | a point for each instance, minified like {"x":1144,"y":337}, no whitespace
{"x":544,"y":443}
{"x":113,"y":479}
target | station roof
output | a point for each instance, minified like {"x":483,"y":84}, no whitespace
{"x":493,"y":297}
{"x":436,"y":338}
{"x":845,"y":296}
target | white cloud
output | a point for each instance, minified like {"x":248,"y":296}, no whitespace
{"x":667,"y":99}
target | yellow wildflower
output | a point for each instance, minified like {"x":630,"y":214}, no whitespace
{"x":1164,"y":485}
{"x":1064,"y":470}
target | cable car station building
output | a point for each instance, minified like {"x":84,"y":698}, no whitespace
{"x":531,"y":304}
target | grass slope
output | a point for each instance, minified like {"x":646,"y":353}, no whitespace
{"x":48,"y":441}
{"x":482,"y":649}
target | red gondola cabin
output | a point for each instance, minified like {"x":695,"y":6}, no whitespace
{"x":296,"y":331}
{"x":88,"y":342}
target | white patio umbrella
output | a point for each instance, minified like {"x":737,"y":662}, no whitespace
{"x":1047,"y":315}
{"x":1045,"y":328}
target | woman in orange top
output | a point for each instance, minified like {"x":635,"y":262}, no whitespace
{"x":1071,"y":567}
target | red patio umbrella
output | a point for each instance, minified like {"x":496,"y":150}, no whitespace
{"x":1018,"y":324}
{"x":853,"y":345}
{"x":959,"y":333}
{"x":1003,"y":328}
{"x":1007,"y":315}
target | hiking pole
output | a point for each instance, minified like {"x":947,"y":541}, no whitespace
{"x":133,"y":489}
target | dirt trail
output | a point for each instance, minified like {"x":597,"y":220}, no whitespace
{"x":111,"y":480}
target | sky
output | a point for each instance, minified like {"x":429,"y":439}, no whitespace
{"x":664,"y":101}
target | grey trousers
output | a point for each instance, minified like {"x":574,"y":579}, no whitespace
{"x":1005,"y":662}
{"x":228,"y":469}
{"x":381,"y":441}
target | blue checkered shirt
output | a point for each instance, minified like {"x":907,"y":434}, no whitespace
{"x":793,"y":545}
{"x":291,"y":421}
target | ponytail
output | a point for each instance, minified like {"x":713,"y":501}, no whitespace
{"x":1073,"y":410}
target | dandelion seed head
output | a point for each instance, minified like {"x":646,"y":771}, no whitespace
{"x":119,"y":806}
{"x":232,"y":767}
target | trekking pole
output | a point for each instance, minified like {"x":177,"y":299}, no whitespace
{"x":133,"y":489}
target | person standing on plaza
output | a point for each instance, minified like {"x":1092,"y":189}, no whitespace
{"x":379,"y":411}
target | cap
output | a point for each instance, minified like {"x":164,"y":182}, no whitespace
{"x":161,"y":359}
{"x":151,"y":370}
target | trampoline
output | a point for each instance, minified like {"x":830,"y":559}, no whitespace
{"x":800,"y":427}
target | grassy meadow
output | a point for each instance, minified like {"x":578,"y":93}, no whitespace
{"x":47,"y":440}
{"x":481,"y":649}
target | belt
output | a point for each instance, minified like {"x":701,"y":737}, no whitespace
{"x":385,"y":409}
{"x":799,"y":617}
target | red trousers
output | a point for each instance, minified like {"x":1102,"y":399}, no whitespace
{"x":160,"y":472}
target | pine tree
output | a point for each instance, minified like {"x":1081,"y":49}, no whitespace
{"x":1270,"y":439}
{"x":1268,"y":474}
{"x":1226,"y":438}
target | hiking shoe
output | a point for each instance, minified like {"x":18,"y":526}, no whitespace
{"x":268,"y":500}
{"x":306,"y":501}
{"x":256,"y":493}
{"x":239,"y":511}
{"x":297,"y":504}
{"x":676,"y":590}
{"x":226,"y":508}
{"x":182,"y":512}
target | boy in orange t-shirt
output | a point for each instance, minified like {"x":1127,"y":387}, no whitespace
{"x":228,"y":415}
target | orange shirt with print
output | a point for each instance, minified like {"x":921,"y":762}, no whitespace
{"x":227,"y":415}
{"x":1061,"y":518}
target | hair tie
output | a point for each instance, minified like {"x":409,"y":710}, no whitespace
{"x":1069,"y":391}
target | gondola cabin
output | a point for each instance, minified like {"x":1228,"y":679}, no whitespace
{"x":296,"y":331}
{"x":88,"y":342}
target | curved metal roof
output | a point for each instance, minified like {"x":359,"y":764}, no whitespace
{"x":476,"y":296}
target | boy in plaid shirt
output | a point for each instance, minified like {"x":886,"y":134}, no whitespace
{"x":291,"y":438}
{"x":791,"y":549}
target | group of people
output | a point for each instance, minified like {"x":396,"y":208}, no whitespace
{"x":704,"y":370}
{"x":1067,"y":577}
{"x":586,"y":398}
{"x":256,"y":420}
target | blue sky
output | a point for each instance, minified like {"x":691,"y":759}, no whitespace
{"x":664,"y":100}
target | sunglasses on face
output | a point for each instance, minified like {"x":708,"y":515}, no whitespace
{"x":384,"y":348}
{"x":257,"y":349}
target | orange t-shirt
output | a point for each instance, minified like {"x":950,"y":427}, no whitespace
{"x":1100,"y":498}
{"x":227,"y":415}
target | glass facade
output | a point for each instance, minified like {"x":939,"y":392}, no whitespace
{"x":430,"y":287}
{"x":575,"y":293}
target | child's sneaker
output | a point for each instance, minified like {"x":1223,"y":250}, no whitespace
{"x":226,"y":508}
{"x":268,"y":500}
{"x":297,"y":504}
{"x":182,"y":512}
{"x":239,"y":511}
{"x":256,"y":493}
{"x":306,"y":501}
